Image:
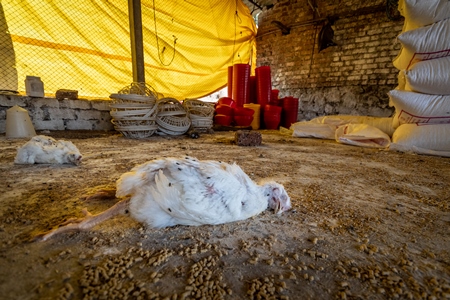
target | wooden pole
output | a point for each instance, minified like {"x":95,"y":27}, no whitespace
{"x":136,"y":38}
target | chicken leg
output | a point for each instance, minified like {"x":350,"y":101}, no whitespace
{"x":88,"y":221}
{"x":106,"y":193}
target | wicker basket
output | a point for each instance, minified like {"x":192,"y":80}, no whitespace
{"x":122,"y":111}
{"x":198,"y":108}
{"x":132,"y":99}
{"x":201,"y":122}
{"x":163,"y":131}
{"x":134,"y":122}
{"x":137,"y":131}
{"x":172,"y":119}
{"x":174,"y":123}
{"x":170,"y":107}
{"x":139,"y":88}
{"x":200,"y":113}
{"x":135,"y":93}
{"x":134,"y":110}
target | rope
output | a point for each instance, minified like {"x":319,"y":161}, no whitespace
{"x":157,"y":40}
{"x":238,"y":18}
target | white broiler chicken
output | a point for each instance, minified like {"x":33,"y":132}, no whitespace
{"x":43,"y":149}
{"x":186,"y":191}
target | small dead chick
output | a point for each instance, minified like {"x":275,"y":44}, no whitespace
{"x":43,"y":149}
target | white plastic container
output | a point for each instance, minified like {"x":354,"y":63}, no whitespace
{"x":34,"y":87}
{"x":18,"y":123}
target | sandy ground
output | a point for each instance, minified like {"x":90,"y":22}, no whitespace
{"x":365,"y":224}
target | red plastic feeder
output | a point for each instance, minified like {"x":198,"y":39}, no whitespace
{"x":243,"y":120}
{"x":272,"y":116}
{"x":271,"y":121}
{"x":226,"y":101}
{"x":230,"y":81}
{"x":273,"y":109}
{"x":241,"y":88}
{"x":223,"y":120}
{"x":243,"y":111}
{"x":274,"y":97}
{"x":289,"y":112}
{"x":223,"y":109}
{"x":263,"y":85}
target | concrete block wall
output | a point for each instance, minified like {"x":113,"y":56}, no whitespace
{"x":350,"y":78}
{"x":54,"y":114}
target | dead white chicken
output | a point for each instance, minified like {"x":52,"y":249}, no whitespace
{"x":186,"y":191}
{"x":43,"y":149}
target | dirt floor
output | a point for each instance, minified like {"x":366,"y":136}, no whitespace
{"x":365,"y":224}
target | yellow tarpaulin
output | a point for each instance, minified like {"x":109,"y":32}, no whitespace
{"x":85,"y":45}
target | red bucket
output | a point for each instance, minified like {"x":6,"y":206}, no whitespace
{"x":230,"y":81}
{"x":243,"y":120}
{"x":223,"y":109}
{"x":241,"y":77}
{"x":273,"y":109}
{"x":223,"y":120}
{"x":271,"y":121}
{"x":226,"y":101}
{"x":290,"y":111}
{"x":274,"y":97}
{"x":243,"y":111}
{"x":263,"y":85}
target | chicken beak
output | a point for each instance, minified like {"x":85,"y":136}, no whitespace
{"x":278,"y":209}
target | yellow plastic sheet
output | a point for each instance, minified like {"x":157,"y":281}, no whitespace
{"x":85,"y":45}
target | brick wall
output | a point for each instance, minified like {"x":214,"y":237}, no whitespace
{"x":350,"y":78}
{"x":53,"y":114}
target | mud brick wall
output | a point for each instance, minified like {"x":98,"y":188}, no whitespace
{"x":54,"y":114}
{"x":350,"y":78}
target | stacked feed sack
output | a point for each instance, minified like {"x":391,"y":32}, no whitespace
{"x":422,"y":98}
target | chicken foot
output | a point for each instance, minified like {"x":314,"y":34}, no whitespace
{"x":88,"y":221}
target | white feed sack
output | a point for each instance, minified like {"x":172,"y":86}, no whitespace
{"x":424,"y":43}
{"x":419,"y":13}
{"x":325,"y":127}
{"x":430,"y":139}
{"x":428,"y":77}
{"x":308,"y":129}
{"x":413,"y":107}
{"x":362,"y":135}
{"x":382,"y":123}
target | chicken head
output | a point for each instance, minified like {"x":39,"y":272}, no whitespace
{"x":278,"y":198}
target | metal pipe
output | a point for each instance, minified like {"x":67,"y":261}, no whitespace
{"x":136,"y":38}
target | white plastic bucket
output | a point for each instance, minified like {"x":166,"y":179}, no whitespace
{"x":18,"y":123}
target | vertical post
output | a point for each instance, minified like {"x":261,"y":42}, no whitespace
{"x":136,"y":37}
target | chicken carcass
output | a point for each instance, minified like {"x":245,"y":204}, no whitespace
{"x":43,"y":149}
{"x":186,"y":191}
